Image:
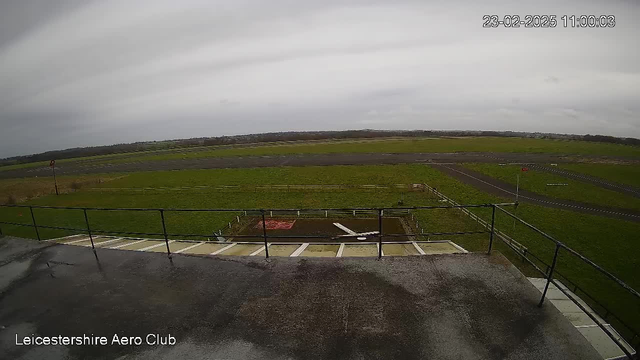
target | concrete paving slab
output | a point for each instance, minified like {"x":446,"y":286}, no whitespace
{"x":414,"y":307}
{"x":179,"y":245}
{"x":140,"y":245}
{"x":121,"y":243}
{"x":565,"y":306}
{"x":206,"y":248}
{"x":364,"y":250}
{"x":601,"y":342}
{"x":319,"y":250}
{"x":438,"y":248}
{"x":579,"y":319}
{"x":241,"y":249}
{"x":399,"y":250}
{"x":281,"y":250}
{"x":111,"y":242}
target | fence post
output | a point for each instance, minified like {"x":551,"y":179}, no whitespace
{"x":164,"y":230}
{"x":550,"y":276}
{"x":264,"y":234}
{"x":379,"y":233}
{"x":493,"y":223}
{"x":35,"y":226}
{"x":86,"y":220}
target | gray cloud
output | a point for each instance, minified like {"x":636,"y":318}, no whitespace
{"x":78,"y":73}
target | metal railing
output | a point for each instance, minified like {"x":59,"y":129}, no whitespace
{"x":550,"y":270}
{"x":378,"y":212}
{"x":375,"y":211}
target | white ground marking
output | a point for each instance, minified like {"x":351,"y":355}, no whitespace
{"x":299,"y":250}
{"x":344,"y":228}
{"x":458,"y":247}
{"x":126,"y":244}
{"x":188,"y":248}
{"x":76,"y":241}
{"x":259,"y":250}
{"x":105,"y":242}
{"x":340,"y":250}
{"x":66,"y":237}
{"x":155,"y":246}
{"x":223,"y":249}
{"x":418,"y":248}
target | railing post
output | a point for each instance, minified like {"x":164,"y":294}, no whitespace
{"x":86,"y":220}
{"x":493,"y":223}
{"x":264,"y":234}
{"x":379,"y":233}
{"x":35,"y":226}
{"x":164,"y":230}
{"x":550,"y":276}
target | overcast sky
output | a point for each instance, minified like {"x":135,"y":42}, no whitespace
{"x":80,"y":73}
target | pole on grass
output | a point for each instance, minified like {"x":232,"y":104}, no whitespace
{"x":35,"y":226}
{"x":379,"y":233}
{"x":550,"y":276}
{"x":52,"y":163}
{"x":493,"y":223}
{"x":164,"y":230}
{"x":86,"y":220}
{"x":264,"y":234}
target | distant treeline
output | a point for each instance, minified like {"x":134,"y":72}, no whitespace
{"x":293,"y":136}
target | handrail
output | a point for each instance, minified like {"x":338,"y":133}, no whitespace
{"x":573,"y":252}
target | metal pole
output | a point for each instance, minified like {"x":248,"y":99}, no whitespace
{"x":550,"y":276}
{"x":86,"y":220}
{"x":379,"y":233}
{"x":493,"y":223}
{"x":35,"y":226}
{"x":166,"y":237}
{"x":264,"y":233}
{"x":55,"y":182}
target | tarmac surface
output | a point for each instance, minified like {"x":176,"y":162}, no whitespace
{"x":470,"y":306}
{"x":500,"y":188}
{"x":301,"y":160}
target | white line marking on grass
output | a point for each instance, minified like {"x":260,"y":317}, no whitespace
{"x":126,"y":244}
{"x":340,"y":250}
{"x":76,"y":241}
{"x":66,"y":237}
{"x":155,"y":246}
{"x":344,"y":228}
{"x":458,"y":247}
{"x":223,"y":249}
{"x":418,"y":248}
{"x":259,"y":250}
{"x":105,"y":242}
{"x":188,"y":248}
{"x":299,"y":250}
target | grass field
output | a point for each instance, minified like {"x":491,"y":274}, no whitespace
{"x":624,"y":174}
{"x":409,"y":145}
{"x":536,"y":181}
{"x":608,"y":242}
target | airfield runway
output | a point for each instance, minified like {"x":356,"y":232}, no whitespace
{"x":74,"y":168}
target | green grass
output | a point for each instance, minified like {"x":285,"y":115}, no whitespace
{"x":408,"y":145}
{"x":624,"y":174}
{"x":536,"y":181}
{"x":610,"y":243}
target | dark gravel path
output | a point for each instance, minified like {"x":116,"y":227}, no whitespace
{"x":501,"y":188}
{"x":623,"y":188}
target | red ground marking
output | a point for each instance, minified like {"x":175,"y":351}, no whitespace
{"x":276,"y":224}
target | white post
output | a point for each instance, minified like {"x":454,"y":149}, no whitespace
{"x":238,"y":217}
